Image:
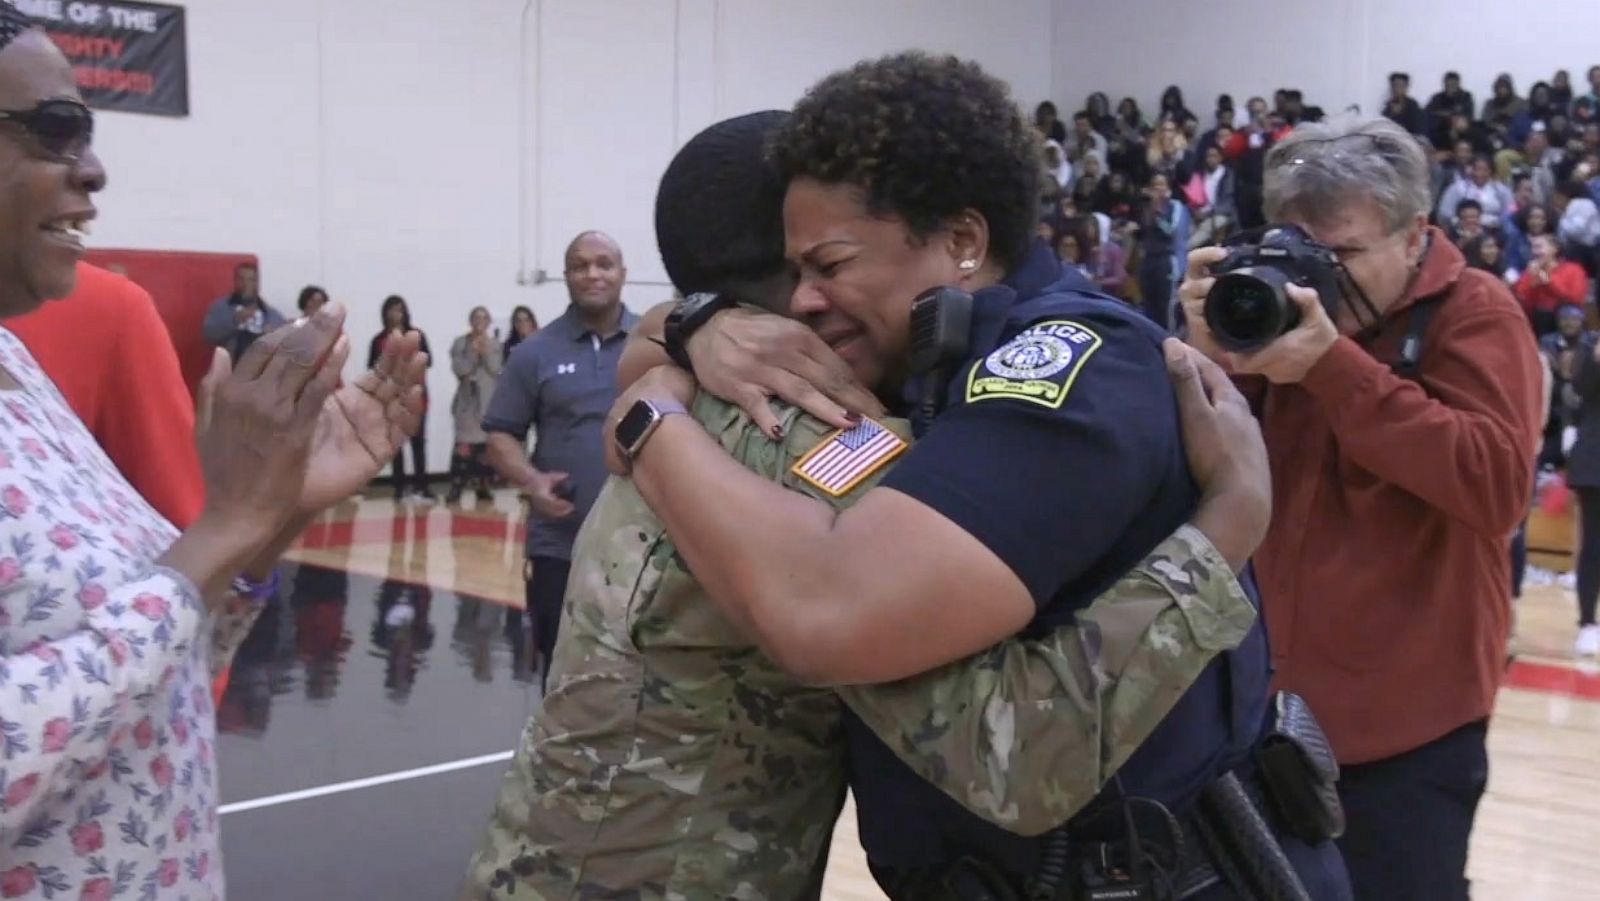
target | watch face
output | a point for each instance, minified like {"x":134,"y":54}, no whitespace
{"x":634,"y":424}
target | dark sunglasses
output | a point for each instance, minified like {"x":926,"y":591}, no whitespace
{"x":62,"y":128}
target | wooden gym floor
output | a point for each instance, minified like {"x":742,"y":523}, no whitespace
{"x":371,"y":712}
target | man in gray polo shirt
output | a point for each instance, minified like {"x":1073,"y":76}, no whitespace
{"x":562,"y":381}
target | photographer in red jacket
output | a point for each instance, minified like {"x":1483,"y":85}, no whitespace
{"x":1401,"y":424}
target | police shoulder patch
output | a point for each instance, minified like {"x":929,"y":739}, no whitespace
{"x":1038,"y":366}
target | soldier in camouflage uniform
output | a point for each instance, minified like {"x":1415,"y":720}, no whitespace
{"x":673,"y":760}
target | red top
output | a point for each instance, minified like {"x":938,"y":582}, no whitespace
{"x":108,"y":351}
{"x":1568,"y":284}
{"x":1385,"y":573}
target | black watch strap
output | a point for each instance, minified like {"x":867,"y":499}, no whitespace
{"x":685,"y":319}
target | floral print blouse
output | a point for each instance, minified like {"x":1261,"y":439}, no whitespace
{"x":108,"y":782}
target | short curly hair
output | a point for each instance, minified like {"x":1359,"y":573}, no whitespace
{"x":924,"y":138}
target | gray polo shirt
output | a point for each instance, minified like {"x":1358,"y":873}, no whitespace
{"x":562,"y":381}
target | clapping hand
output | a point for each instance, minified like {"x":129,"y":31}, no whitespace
{"x":363,"y":425}
{"x":280,"y":385}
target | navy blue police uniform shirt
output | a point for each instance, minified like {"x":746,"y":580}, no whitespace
{"x":1059,"y":448}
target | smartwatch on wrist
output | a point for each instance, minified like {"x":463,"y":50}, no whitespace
{"x":640,"y":422}
{"x":685,"y":319}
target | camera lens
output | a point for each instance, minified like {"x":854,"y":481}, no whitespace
{"x":1248,"y":308}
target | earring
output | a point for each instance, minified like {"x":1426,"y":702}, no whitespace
{"x":967,"y":265}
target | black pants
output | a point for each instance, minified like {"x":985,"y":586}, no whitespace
{"x":546,"y":589}
{"x":1588,"y":554}
{"x":1409,"y":818}
{"x":470,"y":463}
{"x":419,"y":459}
{"x":1155,"y":287}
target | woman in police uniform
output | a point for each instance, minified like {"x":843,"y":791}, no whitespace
{"x":1054,"y":466}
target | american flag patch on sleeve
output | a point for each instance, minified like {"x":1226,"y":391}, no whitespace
{"x":849,"y":456}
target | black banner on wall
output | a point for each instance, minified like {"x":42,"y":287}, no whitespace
{"x":131,"y":57}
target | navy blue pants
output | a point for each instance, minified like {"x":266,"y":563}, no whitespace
{"x":1409,"y":817}
{"x":546,"y":589}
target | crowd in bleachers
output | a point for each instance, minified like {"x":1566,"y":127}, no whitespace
{"x":1128,"y":195}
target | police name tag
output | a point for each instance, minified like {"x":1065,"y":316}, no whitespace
{"x":1038,"y":366}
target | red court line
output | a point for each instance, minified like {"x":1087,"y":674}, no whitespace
{"x":1553,"y":679}
{"x":421,"y":526}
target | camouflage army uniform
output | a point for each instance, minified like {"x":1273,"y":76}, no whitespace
{"x":673,"y":760}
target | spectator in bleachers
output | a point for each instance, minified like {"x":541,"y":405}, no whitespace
{"x":1220,"y":132}
{"x":1468,"y":226}
{"x":1210,"y":194}
{"x":1255,"y":110}
{"x":1521,"y":196}
{"x":1172,"y":107}
{"x":1462,"y":127}
{"x":1130,"y":119}
{"x":1540,"y":108}
{"x":1486,"y":253}
{"x":1493,"y":196}
{"x":1403,"y":109}
{"x":1561,"y":89}
{"x":1594,"y":86}
{"x":1048,"y":121}
{"x":1550,"y":281}
{"x":1071,"y":211}
{"x":1090,"y":173}
{"x":1541,"y":160}
{"x":1068,"y":243}
{"x":1055,"y":163}
{"x":1050,"y":194}
{"x":1522,"y":229}
{"x":1503,"y":107}
{"x":1085,"y":141}
{"x":1098,"y":106}
{"x":1105,"y":262}
{"x":1559,"y":130}
{"x":1577,"y":220}
{"x":1443,"y":106}
{"x":1115,"y":198}
{"x":1163,"y":243}
{"x":1168,"y":153}
{"x":1246,"y":151}
{"x":1582,"y":113}
{"x":1127,"y":144}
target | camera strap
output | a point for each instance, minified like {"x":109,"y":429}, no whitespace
{"x":1409,"y":364}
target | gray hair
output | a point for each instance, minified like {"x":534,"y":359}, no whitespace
{"x":1321,"y":166}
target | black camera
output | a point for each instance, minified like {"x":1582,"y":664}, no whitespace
{"x":1248,"y":307}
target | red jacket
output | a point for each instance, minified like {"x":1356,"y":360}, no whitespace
{"x":1385,"y":573}
{"x":108,"y":351}
{"x":1568,"y":284}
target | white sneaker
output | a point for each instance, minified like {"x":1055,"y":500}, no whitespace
{"x":1588,"y":643}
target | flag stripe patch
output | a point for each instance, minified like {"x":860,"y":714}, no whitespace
{"x":849,"y":456}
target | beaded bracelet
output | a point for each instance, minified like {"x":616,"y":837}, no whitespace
{"x":249,"y":589}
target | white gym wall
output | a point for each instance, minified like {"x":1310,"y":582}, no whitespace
{"x":445,"y":150}
{"x":1339,"y":52}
